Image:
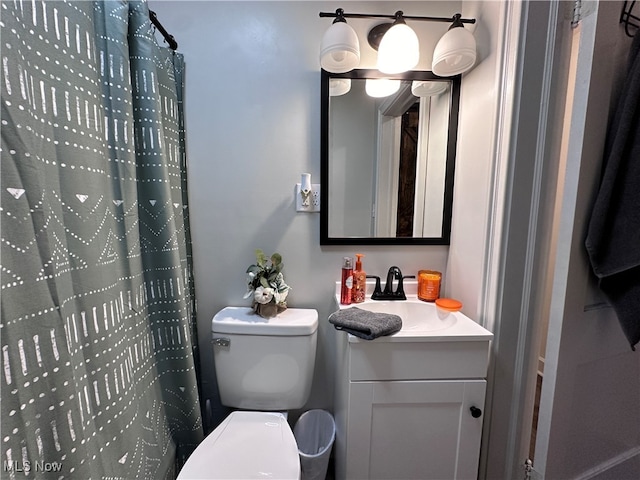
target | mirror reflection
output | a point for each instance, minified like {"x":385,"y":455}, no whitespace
{"x":387,"y":157}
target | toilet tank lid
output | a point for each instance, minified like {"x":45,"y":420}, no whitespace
{"x":243,"y":320}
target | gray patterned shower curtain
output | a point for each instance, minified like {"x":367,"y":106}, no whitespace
{"x":98,"y":375}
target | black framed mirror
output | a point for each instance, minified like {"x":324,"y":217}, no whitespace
{"x":387,"y":163}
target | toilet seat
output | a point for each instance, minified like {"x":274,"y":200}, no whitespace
{"x":246,"y":445}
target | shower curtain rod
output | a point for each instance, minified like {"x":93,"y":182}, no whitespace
{"x":167,"y":36}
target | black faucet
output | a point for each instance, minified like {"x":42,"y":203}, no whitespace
{"x":388,"y":293}
{"x":377,"y":291}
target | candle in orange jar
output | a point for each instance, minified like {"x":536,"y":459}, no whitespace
{"x":429,"y":285}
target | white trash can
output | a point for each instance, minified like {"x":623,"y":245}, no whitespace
{"x":315,"y":432}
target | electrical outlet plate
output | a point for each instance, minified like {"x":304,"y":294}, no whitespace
{"x":314,"y":199}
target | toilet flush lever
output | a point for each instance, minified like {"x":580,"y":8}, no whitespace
{"x":221,"y":341}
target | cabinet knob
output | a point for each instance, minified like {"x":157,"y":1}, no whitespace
{"x":475,"y":412}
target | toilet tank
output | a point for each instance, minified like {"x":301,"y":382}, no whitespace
{"x":264,"y":364}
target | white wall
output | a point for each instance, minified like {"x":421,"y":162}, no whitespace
{"x":253,"y":125}
{"x":476,"y":167}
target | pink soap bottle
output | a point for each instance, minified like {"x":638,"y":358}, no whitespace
{"x":347,"y":281}
{"x":359,"y":281}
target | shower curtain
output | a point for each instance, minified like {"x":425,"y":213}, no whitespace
{"x":98,"y":339}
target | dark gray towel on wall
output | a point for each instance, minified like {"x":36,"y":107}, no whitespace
{"x":613,"y":239}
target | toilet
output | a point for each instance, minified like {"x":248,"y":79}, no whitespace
{"x":264,"y":367}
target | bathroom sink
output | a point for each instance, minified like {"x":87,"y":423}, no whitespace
{"x":416,"y":315}
{"x":421,"y":321}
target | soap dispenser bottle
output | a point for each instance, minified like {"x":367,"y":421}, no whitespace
{"x":359,"y":281}
{"x":347,"y":281}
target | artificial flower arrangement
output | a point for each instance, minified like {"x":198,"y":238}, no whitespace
{"x":265,"y":283}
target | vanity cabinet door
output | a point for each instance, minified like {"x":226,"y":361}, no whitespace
{"x":414,"y":429}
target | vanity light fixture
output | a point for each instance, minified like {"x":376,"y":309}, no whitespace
{"x":399,"y":49}
{"x":455,"y":52}
{"x":397,"y":44}
{"x":340,"y":47}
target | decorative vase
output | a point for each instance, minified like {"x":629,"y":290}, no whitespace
{"x":268,"y":310}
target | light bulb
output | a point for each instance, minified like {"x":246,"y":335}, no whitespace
{"x":339,"y":56}
{"x":455,"y":60}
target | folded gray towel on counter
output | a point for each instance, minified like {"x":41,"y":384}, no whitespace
{"x":365,"y":324}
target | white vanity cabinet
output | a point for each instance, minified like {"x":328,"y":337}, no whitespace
{"x":411,"y":406}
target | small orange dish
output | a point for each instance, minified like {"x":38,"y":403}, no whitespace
{"x":449,"y":304}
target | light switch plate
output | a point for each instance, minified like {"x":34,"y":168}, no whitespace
{"x":314,"y":199}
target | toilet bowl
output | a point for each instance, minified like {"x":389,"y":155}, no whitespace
{"x":244,"y":446}
{"x":263,"y":365}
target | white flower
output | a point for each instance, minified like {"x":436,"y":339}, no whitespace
{"x":263,"y":295}
{"x":280,"y":296}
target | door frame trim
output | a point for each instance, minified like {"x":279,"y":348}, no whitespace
{"x":518,"y":233}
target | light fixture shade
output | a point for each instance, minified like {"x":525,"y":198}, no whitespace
{"x":340,"y":48}
{"x":428,"y":88}
{"x":455,"y":53}
{"x":339,"y":86}
{"x":381,"y":87}
{"x":399,"y":49}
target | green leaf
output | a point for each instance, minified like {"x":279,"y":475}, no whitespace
{"x":261,"y":259}
{"x":276,"y":259}
{"x":264,"y":283}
